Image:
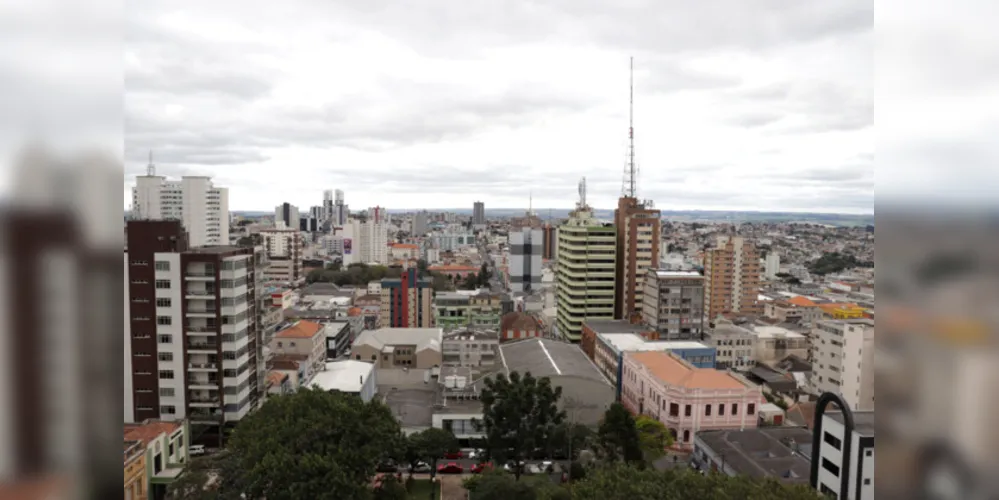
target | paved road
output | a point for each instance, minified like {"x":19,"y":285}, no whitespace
{"x":466,"y":465}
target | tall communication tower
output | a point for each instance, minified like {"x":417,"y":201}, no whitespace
{"x":629,"y":188}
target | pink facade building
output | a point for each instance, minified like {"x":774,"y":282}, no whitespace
{"x":687,"y":399}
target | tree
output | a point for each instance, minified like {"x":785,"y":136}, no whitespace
{"x":519,"y":414}
{"x":471,"y":282}
{"x":390,"y":488}
{"x":250,"y":241}
{"x":484,"y":275}
{"x":421,"y":268}
{"x":618,"y":436}
{"x":429,"y":445}
{"x":626,"y":482}
{"x":498,"y":485}
{"x":204,"y":479}
{"x":653,"y":437}
{"x":568,"y":439}
{"x":312,"y":444}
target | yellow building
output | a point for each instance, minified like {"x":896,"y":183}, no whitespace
{"x":136,"y":487}
{"x":842,"y":311}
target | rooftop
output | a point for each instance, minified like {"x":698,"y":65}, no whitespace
{"x":300,"y":330}
{"x":660,"y":273}
{"x":863,"y":421}
{"x":778,"y":452}
{"x":549,"y":358}
{"x":345,"y":376}
{"x":149,"y":430}
{"x":420,"y":337}
{"x":632,"y":342}
{"x":219,"y":250}
{"x":518,"y":321}
{"x":674,"y":371}
{"x":605,"y":326}
{"x":770,"y":332}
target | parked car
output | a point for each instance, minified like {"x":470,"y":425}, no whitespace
{"x":454,"y":455}
{"x":387,"y":466}
{"x":420,"y":468}
{"x":196,"y":449}
{"x":477,"y":468}
{"x":509,"y":466}
{"x":450,"y":468}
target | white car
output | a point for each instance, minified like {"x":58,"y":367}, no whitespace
{"x":420,"y":468}
{"x":196,"y":449}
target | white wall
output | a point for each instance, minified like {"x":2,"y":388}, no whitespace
{"x":175,"y":329}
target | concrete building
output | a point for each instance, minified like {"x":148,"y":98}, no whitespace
{"x":734,"y":344}
{"x":479,"y":213}
{"x":797,"y":309}
{"x":136,"y":484}
{"x":202,"y":208}
{"x":781,"y":453}
{"x":526,"y":248}
{"x":609,"y":349}
{"x":732,"y":274}
{"x":843,"y":360}
{"x":471,"y":348}
{"x":420,"y":223}
{"x":338,"y":335}
{"x":305,"y":339}
{"x":585,"y":272}
{"x":549,"y":238}
{"x":190,"y":333}
{"x":831,"y":459}
{"x":350,"y":377}
{"x":686,"y":399}
{"x":772,"y":344}
{"x":286,"y":216}
{"x":674,"y":304}
{"x":334,"y":208}
{"x":284,"y":254}
{"x":519,"y":325}
{"x":166,"y":445}
{"x":771,"y":266}
{"x":399,"y":347}
{"x":455,"y":310}
{"x":594,"y":327}
{"x":638,"y":233}
{"x":406,"y":302}
{"x":367,"y":242}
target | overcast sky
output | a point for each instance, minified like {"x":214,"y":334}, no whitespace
{"x":762,"y":105}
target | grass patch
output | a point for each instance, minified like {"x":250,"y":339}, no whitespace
{"x":422,"y":489}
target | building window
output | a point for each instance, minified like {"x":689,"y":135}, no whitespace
{"x":751,"y":409}
{"x":167,"y":392}
{"x":869,"y":453}
{"x":674,"y":409}
{"x":707,"y":410}
{"x":165,"y":356}
{"x":833,"y":441}
{"x":831,"y":467}
{"x":162,"y":265}
{"x":867,"y":482}
{"x":163,"y":284}
{"x":166,"y":374}
{"x":164,"y":320}
{"x":163,"y":302}
{"x":686,"y":410}
{"x":721,"y":410}
{"x":165,"y":338}
{"x":168,"y":410}
{"x":735,"y":408}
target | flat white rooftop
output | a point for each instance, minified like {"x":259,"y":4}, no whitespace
{"x":633,"y":342}
{"x":770,"y":332}
{"x":678,"y":274}
{"x":345,"y":376}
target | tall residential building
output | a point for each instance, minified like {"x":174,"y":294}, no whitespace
{"x":771,"y":265}
{"x":367,"y":242}
{"x":327,"y":205}
{"x":673,"y":304}
{"x":584,"y":272}
{"x":526,"y":246}
{"x":549,"y":244}
{"x":334,"y":208}
{"x":284,"y":253}
{"x":638,"y":229}
{"x":420,"y":223}
{"x":190,"y":330}
{"x":732,"y":274}
{"x":406,"y":301}
{"x":843,"y":361}
{"x":286,"y":216}
{"x":479,"y":213}
{"x":194,"y":200}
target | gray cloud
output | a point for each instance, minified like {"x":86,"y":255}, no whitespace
{"x":755,"y":119}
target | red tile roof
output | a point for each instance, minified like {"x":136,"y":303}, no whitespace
{"x":300,"y":330}
{"x":148,"y":431}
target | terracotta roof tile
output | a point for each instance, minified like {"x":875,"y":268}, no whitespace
{"x":518,"y":321}
{"x":300,"y":330}
{"x":671,"y":370}
{"x":801,"y":301}
{"x":148,"y":431}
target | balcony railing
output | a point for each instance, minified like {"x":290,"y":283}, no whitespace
{"x":194,"y":381}
{"x":204,"y":366}
{"x":202,"y":345}
{"x":200,"y":310}
{"x":203,"y":399}
{"x":200,"y":274}
{"x":202,"y":329}
{"x":201,"y":293}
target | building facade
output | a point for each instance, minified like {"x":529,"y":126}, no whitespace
{"x":471,"y":348}
{"x":673,"y":303}
{"x":732,"y":274}
{"x":136,"y":485}
{"x":165,"y":445}
{"x":585,"y":272}
{"x":286,"y":216}
{"x":190,"y":333}
{"x":479,"y":213}
{"x":418,"y":348}
{"x":302,"y":338}
{"x":734,"y":345}
{"x":202,"y":207}
{"x":549,"y":241}
{"x":284,"y":254}
{"x":454,"y":311}
{"x":406,"y":302}
{"x":687,"y":399}
{"x":638,"y":232}
{"x":843,"y":361}
{"x":367,"y":242}
{"x":526,"y":246}
{"x":832,"y":462}
{"x":608,"y":353}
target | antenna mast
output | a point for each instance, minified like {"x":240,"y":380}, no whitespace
{"x":151,"y":168}
{"x":630,"y":171}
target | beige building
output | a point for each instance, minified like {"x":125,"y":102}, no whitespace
{"x":284,"y":253}
{"x":674,"y":304}
{"x":638,"y":228}
{"x":399,"y":347}
{"x":844,"y":360}
{"x":771,"y":344}
{"x":732,"y":274}
{"x":790,"y":312}
{"x":733,"y":343}
{"x":306,"y":339}
{"x":407,"y":301}
{"x":470,"y":348}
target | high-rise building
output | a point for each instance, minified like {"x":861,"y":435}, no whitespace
{"x":420,"y":223}
{"x":673,"y":304}
{"x":584,"y":271}
{"x":407,"y":301}
{"x":526,"y":246}
{"x":327,"y":204}
{"x":732,"y":274}
{"x":286,"y":216}
{"x":549,"y":236}
{"x":771,"y":265}
{"x":334,"y":208}
{"x":284,"y":254}
{"x":638,"y":229}
{"x":367,"y":242}
{"x":190,"y":334}
{"x":194,"y":200}
{"x":843,"y":361}
{"x":479,"y":213}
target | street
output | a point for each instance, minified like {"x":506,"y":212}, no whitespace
{"x":466,"y":465}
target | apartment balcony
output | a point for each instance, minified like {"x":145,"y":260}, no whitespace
{"x":196,"y":347}
{"x":199,"y":276}
{"x":199,"y":294}
{"x":205,"y":401}
{"x":206,"y":416}
{"x":202,"y":367}
{"x":202,"y":383}
{"x":210,"y":331}
{"x":200,"y":312}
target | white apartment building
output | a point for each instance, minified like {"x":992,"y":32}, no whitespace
{"x":832,"y":457}
{"x":284,"y":253}
{"x":470,"y":349}
{"x":367,"y":242}
{"x":201,"y":207}
{"x":286,"y":216}
{"x":526,"y":245}
{"x":843,"y":361}
{"x":734,"y":345}
{"x":771,"y":265}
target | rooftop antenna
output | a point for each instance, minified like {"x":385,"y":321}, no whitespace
{"x":582,"y":193}
{"x":151,"y":168}
{"x":630,"y":173}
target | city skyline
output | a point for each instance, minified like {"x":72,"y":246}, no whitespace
{"x":494,"y":104}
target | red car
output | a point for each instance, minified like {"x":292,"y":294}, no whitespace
{"x":454,"y":455}
{"x":477,"y":468}
{"x":450,"y":468}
